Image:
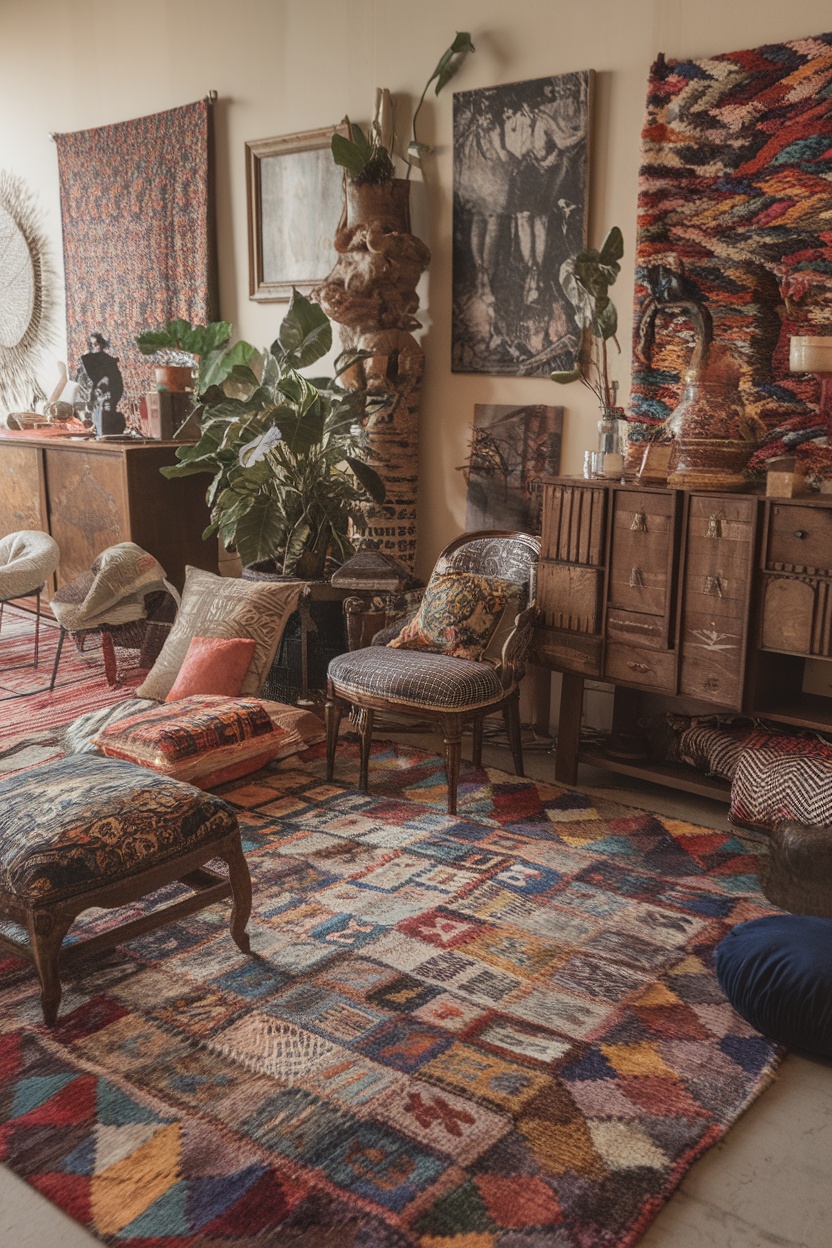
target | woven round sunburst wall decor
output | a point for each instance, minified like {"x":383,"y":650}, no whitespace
{"x":26,"y":298}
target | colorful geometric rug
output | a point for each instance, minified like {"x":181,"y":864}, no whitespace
{"x":499,"y":1029}
{"x":734,"y":196}
{"x":31,"y":728}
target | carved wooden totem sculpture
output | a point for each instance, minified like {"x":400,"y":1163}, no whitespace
{"x":371,"y":292}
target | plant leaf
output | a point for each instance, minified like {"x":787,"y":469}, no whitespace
{"x":369,"y":478}
{"x":418,"y":150}
{"x":306,"y":333}
{"x":347,"y":154}
{"x":258,"y":531}
{"x":612,"y":248}
{"x":220,"y":363}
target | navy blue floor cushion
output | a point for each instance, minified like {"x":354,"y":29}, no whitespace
{"x":777,"y":973}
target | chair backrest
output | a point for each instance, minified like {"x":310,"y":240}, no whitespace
{"x":494,"y":552}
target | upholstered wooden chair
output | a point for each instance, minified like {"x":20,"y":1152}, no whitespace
{"x":441,"y":689}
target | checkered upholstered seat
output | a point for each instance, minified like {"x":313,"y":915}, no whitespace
{"x":417,"y":679}
{"x":440,"y":687}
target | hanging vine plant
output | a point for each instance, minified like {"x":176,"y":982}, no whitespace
{"x":27,"y":297}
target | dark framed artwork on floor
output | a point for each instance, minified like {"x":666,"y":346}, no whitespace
{"x":511,"y":449}
{"x":295,"y":196}
{"x":521,"y":168}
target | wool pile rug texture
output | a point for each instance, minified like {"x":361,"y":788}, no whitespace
{"x":734,"y":197}
{"x":499,"y":1029}
{"x":31,"y":728}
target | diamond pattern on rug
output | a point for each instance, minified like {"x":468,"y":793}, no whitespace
{"x":498,"y":1029}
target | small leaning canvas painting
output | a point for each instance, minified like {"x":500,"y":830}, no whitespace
{"x":511,"y":449}
{"x":521,"y":164}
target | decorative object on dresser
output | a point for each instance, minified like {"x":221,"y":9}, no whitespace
{"x":511,"y":448}
{"x":371,"y":292}
{"x":90,"y":495}
{"x":713,"y":436}
{"x":722,"y":135}
{"x":710,"y":601}
{"x":420,"y":673}
{"x":126,"y":267}
{"x":521,"y":167}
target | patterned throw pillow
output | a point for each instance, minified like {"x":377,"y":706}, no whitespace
{"x":458,"y":616}
{"x":207,"y":740}
{"x":220,"y":606}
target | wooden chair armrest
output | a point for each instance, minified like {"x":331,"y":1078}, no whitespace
{"x":512,"y":663}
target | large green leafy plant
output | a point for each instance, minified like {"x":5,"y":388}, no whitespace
{"x":286,"y":457}
{"x":586,"y":279}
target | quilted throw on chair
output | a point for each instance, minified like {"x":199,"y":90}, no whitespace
{"x":113,"y":592}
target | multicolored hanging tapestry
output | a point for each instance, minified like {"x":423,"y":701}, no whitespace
{"x":735,"y":199}
{"x":137,"y":213}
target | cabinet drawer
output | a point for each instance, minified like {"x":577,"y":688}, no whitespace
{"x":567,"y":652}
{"x":652,"y":668}
{"x":711,"y":661}
{"x":572,"y":523}
{"x":797,"y":615}
{"x":632,"y":629}
{"x":719,"y":555}
{"x":800,"y":540}
{"x":569,"y":596}
{"x":642,"y":548}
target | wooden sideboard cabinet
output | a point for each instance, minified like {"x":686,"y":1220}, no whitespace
{"x":693,"y":602}
{"x":90,"y":495}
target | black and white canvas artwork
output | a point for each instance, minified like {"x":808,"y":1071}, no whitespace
{"x":521,"y":161}
{"x":511,"y":449}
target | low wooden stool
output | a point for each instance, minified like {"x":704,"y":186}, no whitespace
{"x":798,"y":873}
{"x":88,"y":831}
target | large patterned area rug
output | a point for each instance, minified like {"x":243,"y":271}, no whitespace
{"x":31,"y":728}
{"x":499,"y":1029}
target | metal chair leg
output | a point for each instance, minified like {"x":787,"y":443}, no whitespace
{"x":61,"y":636}
{"x":37,"y":625}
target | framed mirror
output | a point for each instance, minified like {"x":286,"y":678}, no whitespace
{"x":295,"y":198}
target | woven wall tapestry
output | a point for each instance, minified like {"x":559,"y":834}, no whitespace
{"x":735,"y":196}
{"x":137,"y":210}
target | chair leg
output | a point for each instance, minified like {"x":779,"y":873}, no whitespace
{"x":511,"y":716}
{"x":240,"y":880}
{"x":45,"y":938}
{"x":476,"y":749}
{"x":61,"y":637}
{"x":452,"y":725}
{"x":365,"y":728}
{"x":334,"y":710}
{"x":37,"y":625}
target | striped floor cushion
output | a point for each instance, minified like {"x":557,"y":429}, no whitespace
{"x":780,"y":779}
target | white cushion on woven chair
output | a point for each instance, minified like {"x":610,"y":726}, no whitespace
{"x":27,"y":560}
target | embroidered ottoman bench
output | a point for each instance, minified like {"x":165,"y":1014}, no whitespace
{"x":86,"y":831}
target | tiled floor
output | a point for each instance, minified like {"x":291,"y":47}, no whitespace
{"x":766,"y":1186}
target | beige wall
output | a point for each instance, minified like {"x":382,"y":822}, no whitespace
{"x":286,"y":65}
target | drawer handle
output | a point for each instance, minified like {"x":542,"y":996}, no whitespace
{"x":636,"y":578}
{"x":637,"y":667}
{"x":638,"y":523}
{"x":714,"y":526}
{"x":801,"y":533}
{"x":712,"y":585}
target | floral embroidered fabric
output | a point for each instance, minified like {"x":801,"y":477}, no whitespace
{"x":458,"y":615}
{"x":81,"y":822}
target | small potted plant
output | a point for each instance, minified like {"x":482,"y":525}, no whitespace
{"x":285,"y":451}
{"x":369,"y":158}
{"x":193,"y":357}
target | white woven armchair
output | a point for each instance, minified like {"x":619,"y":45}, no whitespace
{"x":27,"y":560}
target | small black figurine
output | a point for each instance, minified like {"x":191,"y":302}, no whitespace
{"x":101,"y":386}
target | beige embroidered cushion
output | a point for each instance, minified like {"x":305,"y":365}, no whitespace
{"x":218,"y":606}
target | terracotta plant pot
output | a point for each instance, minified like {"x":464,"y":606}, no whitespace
{"x":176,"y":378}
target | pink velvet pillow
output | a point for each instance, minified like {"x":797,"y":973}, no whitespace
{"x":215,"y":665}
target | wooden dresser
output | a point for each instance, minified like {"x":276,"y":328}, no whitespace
{"x":699,"y":603}
{"x":90,"y":495}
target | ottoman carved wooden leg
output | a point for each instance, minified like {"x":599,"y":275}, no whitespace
{"x":90,"y":832}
